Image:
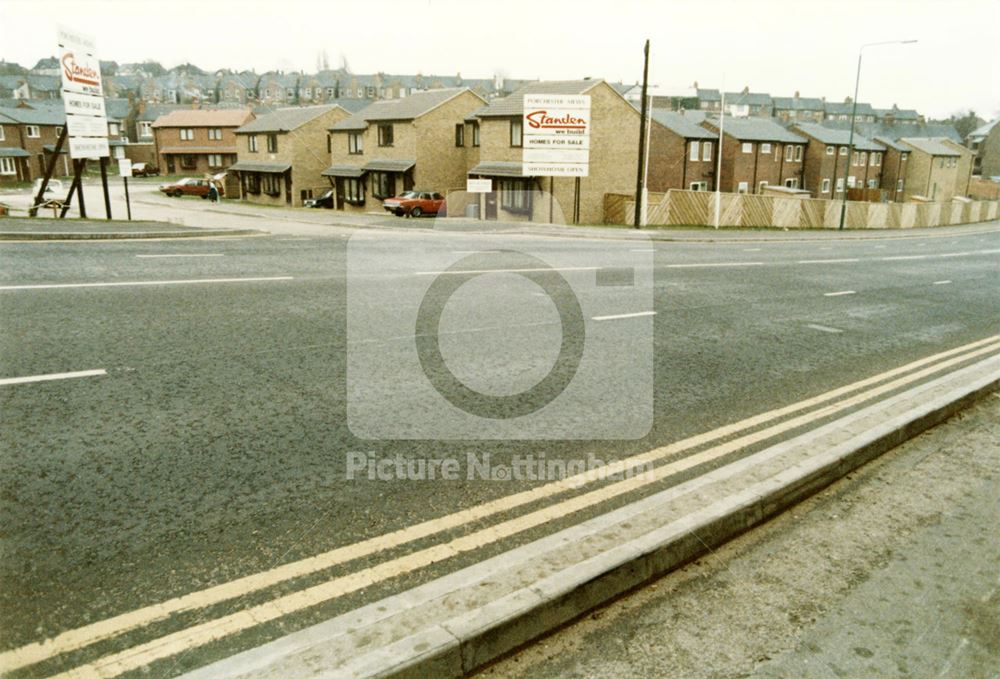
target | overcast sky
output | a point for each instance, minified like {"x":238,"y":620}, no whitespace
{"x":771,"y":46}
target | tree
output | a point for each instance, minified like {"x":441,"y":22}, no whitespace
{"x":190,"y":69}
{"x":966,"y":123}
{"x":12,"y":68}
{"x":153,"y":68}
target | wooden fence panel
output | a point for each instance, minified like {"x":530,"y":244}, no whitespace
{"x":933,"y":214}
{"x":894,"y":215}
{"x":757,"y":211}
{"x":907,"y":215}
{"x":614,"y":208}
{"x":691,"y":207}
{"x":657,"y":212}
{"x":812,"y":213}
{"x":974,"y":209}
{"x":786,"y":212}
{"x":878,"y":216}
{"x":991,"y":213}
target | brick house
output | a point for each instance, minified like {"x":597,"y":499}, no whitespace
{"x":894,"y":167}
{"x":738,"y":104}
{"x":985,"y":143}
{"x":281,"y":154}
{"x":935,"y":169}
{"x":757,"y":153}
{"x":393,"y":145}
{"x":238,"y":88}
{"x":827,"y":158}
{"x":614,"y":142}
{"x":34,"y":133}
{"x":278,"y":89}
{"x":199,"y":141}
{"x":836,"y":111}
{"x":681,"y":153}
{"x":799,"y":109}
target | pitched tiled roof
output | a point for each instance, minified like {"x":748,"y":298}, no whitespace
{"x":513,"y":105}
{"x":749,"y":98}
{"x":681,"y":125}
{"x":834,"y":108}
{"x":930,"y":146}
{"x":285,"y":119}
{"x":798,"y":103}
{"x":756,"y":129}
{"x":117,"y":108}
{"x":837,"y":137}
{"x":984,"y":130}
{"x":406,"y":108}
{"x":204,"y":118}
{"x":898,"y":131}
{"x":31,"y":116}
{"x":153,"y":111}
{"x":709,"y":95}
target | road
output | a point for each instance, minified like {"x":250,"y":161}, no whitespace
{"x":241,"y":375}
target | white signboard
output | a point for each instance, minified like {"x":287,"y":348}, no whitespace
{"x":83,"y":95}
{"x":124,"y":167}
{"x":479,"y":185}
{"x":556,"y":135}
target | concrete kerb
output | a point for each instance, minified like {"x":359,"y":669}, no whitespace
{"x":474,"y":637}
{"x":127,"y":235}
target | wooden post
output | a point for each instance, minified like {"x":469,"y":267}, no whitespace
{"x":40,"y":198}
{"x":104,"y":184}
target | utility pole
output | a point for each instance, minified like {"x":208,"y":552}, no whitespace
{"x":718,"y":162}
{"x":639,"y":184}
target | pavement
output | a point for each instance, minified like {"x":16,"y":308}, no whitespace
{"x":890,"y":572}
{"x":39,"y":228}
{"x":210,"y":445}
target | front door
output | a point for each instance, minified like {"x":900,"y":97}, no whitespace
{"x":339,"y":186}
{"x":170,"y":164}
{"x":491,"y":205}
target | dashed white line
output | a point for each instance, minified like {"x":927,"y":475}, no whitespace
{"x":642,"y":250}
{"x":52,"y":376}
{"x":713,"y":264}
{"x":217,"y":254}
{"x":902,"y":257}
{"x":840,"y":293}
{"x":940,"y":282}
{"x":824,"y":328}
{"x":124,"y":284}
{"x":617,"y":316}
{"x":483,"y":271}
{"x":827,"y":261}
{"x":752,"y":250}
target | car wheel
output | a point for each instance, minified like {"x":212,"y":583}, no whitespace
{"x":178,"y":194}
{"x":416,"y":212}
{"x":399,"y":213}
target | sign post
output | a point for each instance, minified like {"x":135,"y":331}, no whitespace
{"x":125,"y":171}
{"x":556,"y":140}
{"x":83,"y":99}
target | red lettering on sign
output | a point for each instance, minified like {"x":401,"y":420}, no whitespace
{"x":77,"y":73}
{"x":542,"y":120}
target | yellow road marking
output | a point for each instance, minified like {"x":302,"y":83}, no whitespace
{"x":81,"y":637}
{"x":207,"y":632}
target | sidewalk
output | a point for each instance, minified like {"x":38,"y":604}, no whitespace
{"x":41,"y":228}
{"x":890,"y":572}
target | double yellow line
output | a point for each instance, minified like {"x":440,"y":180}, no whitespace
{"x":822,"y":406}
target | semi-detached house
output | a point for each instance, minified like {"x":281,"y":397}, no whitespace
{"x":827,"y":160}
{"x":681,"y":153}
{"x":28,"y":138}
{"x":757,"y":153}
{"x":393,"y":145}
{"x":614,"y":144}
{"x":198,"y":140}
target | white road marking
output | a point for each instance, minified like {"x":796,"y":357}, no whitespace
{"x":902,"y":257}
{"x":617,"y":316}
{"x":752,"y":250}
{"x":824,"y":328}
{"x":879,"y":247}
{"x":472,"y":252}
{"x":642,"y":250}
{"x":483,"y":271}
{"x":217,"y":254}
{"x":52,"y":376}
{"x":713,"y":264}
{"x":940,"y":282}
{"x":840,"y":293}
{"x":123,"y":284}
{"x":827,"y":261}
{"x":94,"y":632}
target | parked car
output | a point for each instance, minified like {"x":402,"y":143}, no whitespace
{"x":326,"y":200}
{"x":415,"y":203}
{"x":189,"y":186}
{"x":144,"y":170}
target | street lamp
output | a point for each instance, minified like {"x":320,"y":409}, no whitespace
{"x":854,"y":110}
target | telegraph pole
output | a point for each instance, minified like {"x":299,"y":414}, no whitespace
{"x":639,"y":184}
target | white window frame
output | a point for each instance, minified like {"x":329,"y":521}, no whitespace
{"x":706,"y":151}
{"x":218,"y":157}
{"x":872,"y":183}
{"x":765,"y":149}
{"x":187,"y":134}
{"x":843,"y":150}
{"x":830,"y":151}
{"x":825,"y":186}
{"x":899,"y":185}
{"x":7,"y":166}
{"x":761,"y":186}
{"x":215,"y":133}
{"x":145,"y":128}
{"x":516,"y":133}
{"x":698,"y":186}
{"x":693,"y":150}
{"x":252,"y":143}
{"x":742,"y":187}
{"x":789,"y":153}
{"x":863,"y":158}
{"x":903,"y":157}
{"x":2,"y":136}
{"x":798,"y":153}
{"x":792,"y":182}
{"x":840,"y":184}
{"x":747,"y":147}
{"x":114,"y":129}
{"x":355,"y":143}
{"x":32,"y":131}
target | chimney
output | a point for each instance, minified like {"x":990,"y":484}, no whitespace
{"x":796,"y":94}
{"x":746,"y":90}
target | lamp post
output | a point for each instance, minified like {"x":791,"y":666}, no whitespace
{"x":854,"y":111}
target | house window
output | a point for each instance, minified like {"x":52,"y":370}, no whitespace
{"x":290,"y":92}
{"x":272,"y":143}
{"x":354,"y":192}
{"x":2,"y":137}
{"x":829,"y":150}
{"x":694,"y":151}
{"x":840,"y":185}
{"x":761,"y":186}
{"x":826,"y":185}
{"x":383,"y":185}
{"x":851,"y":182}
{"x":872,"y":183}
{"x":903,"y":157}
{"x":309,"y":94}
{"x":271,"y":184}
{"x":515,"y":194}
{"x":515,"y":132}
{"x":899,"y":185}
{"x":59,"y":130}
{"x":706,"y":150}
{"x":843,"y":150}
{"x":699,"y":186}
{"x":789,"y":153}
{"x":475,"y":134}
{"x":743,"y":187}
{"x":188,"y":161}
{"x":215,"y":160}
{"x":253,"y":183}
{"x":385,"y":135}
{"x":215,"y":133}
{"x":33,"y":131}
{"x":114,"y":129}
{"x":187,"y":134}
{"x":792,"y":183}
{"x":765,"y":149}
{"x":460,"y":134}
{"x":875,"y":159}
{"x":7,"y":166}
{"x":252,"y":143}
{"x":355,"y":145}
{"x":864,"y":159}
{"x":329,"y":145}
{"x":747,"y":147}
{"x":798,"y":154}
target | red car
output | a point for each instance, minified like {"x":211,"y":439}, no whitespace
{"x":415,"y":203}
{"x":188,"y":187}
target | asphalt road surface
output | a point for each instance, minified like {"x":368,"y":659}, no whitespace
{"x":233,"y":383}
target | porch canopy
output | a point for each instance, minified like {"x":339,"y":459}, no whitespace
{"x":247,"y":166}
{"x":349,"y":171}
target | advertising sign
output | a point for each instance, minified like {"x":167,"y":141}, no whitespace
{"x":83,"y":95}
{"x":478,"y":185}
{"x":124,"y":167}
{"x":556,"y":135}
